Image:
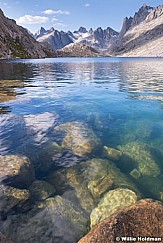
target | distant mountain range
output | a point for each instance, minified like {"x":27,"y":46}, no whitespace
{"x":99,"y":39}
{"x":140,"y":35}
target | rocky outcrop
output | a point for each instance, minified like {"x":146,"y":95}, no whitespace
{"x":54,"y":220}
{"x":16,"y":171}
{"x":144,"y":219}
{"x":79,"y":50}
{"x":16,"y":42}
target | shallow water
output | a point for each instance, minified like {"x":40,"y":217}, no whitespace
{"x":120,"y":99}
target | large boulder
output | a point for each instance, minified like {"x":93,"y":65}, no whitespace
{"x":53,"y":220}
{"x":90,"y":180}
{"x":13,"y":200}
{"x":16,"y":171}
{"x":111,"y":202}
{"x":79,"y":138}
{"x":144,"y":219}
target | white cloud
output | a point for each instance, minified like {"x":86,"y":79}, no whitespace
{"x":29,"y":19}
{"x":87,"y":5}
{"x":50,"y":12}
{"x":60,"y":25}
{"x":54,"y":19}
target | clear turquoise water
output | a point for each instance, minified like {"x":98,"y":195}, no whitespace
{"x":121,"y":99}
{"x":124,"y":93}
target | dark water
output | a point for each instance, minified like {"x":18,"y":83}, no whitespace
{"x":120,"y":99}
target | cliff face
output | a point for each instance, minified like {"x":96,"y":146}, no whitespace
{"x":16,"y":42}
{"x":141,"y":37}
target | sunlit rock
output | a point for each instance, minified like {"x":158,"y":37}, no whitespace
{"x":143,"y":219}
{"x":111,"y":202}
{"x":79,"y":138}
{"x":16,"y":171}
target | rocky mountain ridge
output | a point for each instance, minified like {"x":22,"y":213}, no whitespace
{"x":100,"y":39}
{"x":16,"y":42}
{"x":144,"y":38}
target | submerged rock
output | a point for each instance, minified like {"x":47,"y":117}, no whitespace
{"x":112,"y":153}
{"x":111,"y":202}
{"x":13,"y":199}
{"x":16,"y":171}
{"x":3,"y":239}
{"x":140,"y":156}
{"x":91,"y":180}
{"x":153,"y":186}
{"x":41,"y":190}
{"x":79,"y":138}
{"x":54,"y":220}
{"x":136,"y":130}
{"x":144,"y":219}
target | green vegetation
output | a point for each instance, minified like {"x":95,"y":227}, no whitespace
{"x":19,"y":51}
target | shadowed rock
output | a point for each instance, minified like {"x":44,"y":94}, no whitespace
{"x":53,"y":220}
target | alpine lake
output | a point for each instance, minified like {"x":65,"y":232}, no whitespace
{"x":79,"y":139}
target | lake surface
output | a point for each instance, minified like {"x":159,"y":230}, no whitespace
{"x":119,"y":99}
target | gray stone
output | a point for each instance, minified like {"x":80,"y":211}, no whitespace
{"x":54,"y":220}
{"x":41,"y":190}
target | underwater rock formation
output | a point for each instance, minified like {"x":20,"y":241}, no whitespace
{"x":111,"y":202}
{"x":140,"y":154}
{"x":79,"y":138}
{"x":54,"y":220}
{"x":16,"y":171}
{"x":90,"y":180}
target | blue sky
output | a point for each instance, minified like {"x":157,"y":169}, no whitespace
{"x":71,"y":14}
